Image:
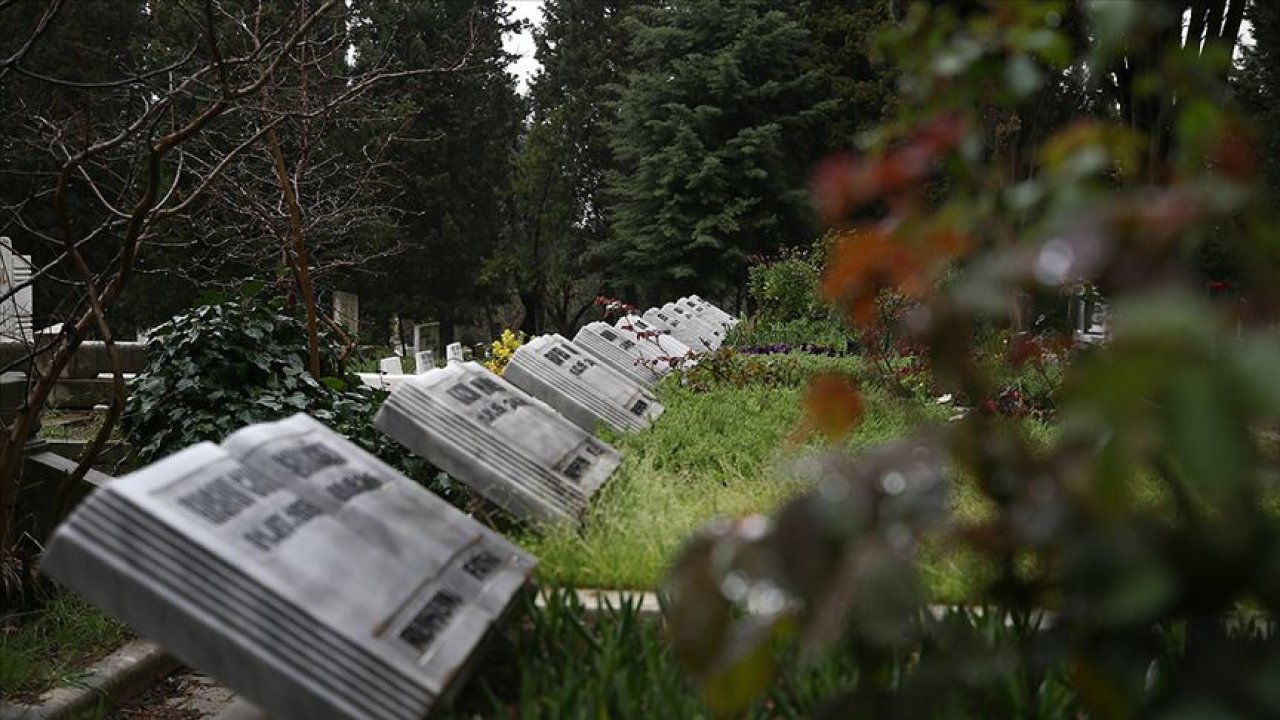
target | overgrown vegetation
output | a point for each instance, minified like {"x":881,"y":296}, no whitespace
{"x":232,"y":363}
{"x":52,"y":644}
{"x":726,"y":446}
{"x":971,"y":203}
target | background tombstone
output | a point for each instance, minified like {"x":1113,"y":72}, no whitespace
{"x":424,"y":360}
{"x":638,"y":361}
{"x":681,"y":331}
{"x":453,"y":353}
{"x":670,"y":349}
{"x":390,"y":366}
{"x":703,"y":308}
{"x":15,"y":311}
{"x":509,"y":447}
{"x":709,"y":331}
{"x":569,"y":379}
{"x":346,"y":312}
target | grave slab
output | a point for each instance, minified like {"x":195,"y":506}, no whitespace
{"x":488,"y":434}
{"x":454,"y":353}
{"x":678,"y":329}
{"x":669,"y":348}
{"x":297,"y":569}
{"x":584,"y":390}
{"x":638,"y":360}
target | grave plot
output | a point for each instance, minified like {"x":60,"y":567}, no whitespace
{"x":585,"y":391}
{"x":638,"y":360}
{"x":509,"y":447}
{"x":687,"y":334}
{"x":671,"y":350}
{"x":297,"y":569}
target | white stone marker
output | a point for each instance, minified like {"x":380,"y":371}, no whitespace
{"x":390,"y":366}
{"x":297,"y":569}
{"x":709,"y":331}
{"x":670,"y":349}
{"x":702,"y":307}
{"x":685,"y":333}
{"x":346,"y":311}
{"x":16,"y":322}
{"x":638,"y":360}
{"x":453,"y":353}
{"x":509,"y":447}
{"x":424,"y":360}
{"x":588,"y":392}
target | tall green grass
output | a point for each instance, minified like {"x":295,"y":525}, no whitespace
{"x":725,"y":452}
{"x":53,"y":645}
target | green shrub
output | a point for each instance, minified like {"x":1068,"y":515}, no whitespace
{"x":762,"y":330}
{"x":787,"y":288}
{"x":226,"y":365}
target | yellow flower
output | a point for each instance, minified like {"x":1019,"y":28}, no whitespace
{"x":502,"y":350}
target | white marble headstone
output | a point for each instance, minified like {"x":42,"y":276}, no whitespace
{"x":672,"y":351}
{"x":706,"y":309}
{"x":640,"y":361}
{"x":588,"y":392}
{"x":16,"y":322}
{"x":424,"y":360}
{"x":680,"y":330}
{"x":453,"y":353}
{"x":346,"y":311}
{"x":511,"y":448}
{"x":297,"y":569}
{"x":390,"y":366}
{"x":710,"y":332}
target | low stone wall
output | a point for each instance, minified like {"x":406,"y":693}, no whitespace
{"x":90,"y":359}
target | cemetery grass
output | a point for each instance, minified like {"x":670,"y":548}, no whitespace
{"x":727,"y":451}
{"x":53,"y":645}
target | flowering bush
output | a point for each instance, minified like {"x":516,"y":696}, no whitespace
{"x":502,"y":349}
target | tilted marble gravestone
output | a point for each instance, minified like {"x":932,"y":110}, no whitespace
{"x":671,"y":351}
{"x":584,"y":390}
{"x":297,"y":569}
{"x":390,"y":366}
{"x":703,"y":308}
{"x":685,"y":333}
{"x":509,"y":447}
{"x":638,"y":360}
{"x":709,"y":331}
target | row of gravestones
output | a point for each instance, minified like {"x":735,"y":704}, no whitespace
{"x":524,"y":440}
{"x":315,"y":580}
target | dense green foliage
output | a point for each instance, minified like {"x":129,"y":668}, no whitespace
{"x":454,"y":136}
{"x":229,"y":364}
{"x":560,"y":206}
{"x":714,"y":135}
{"x":1181,"y":398}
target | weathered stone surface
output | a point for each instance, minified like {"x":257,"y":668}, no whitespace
{"x":490,"y":435}
{"x":588,"y":392}
{"x":636,"y":359}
